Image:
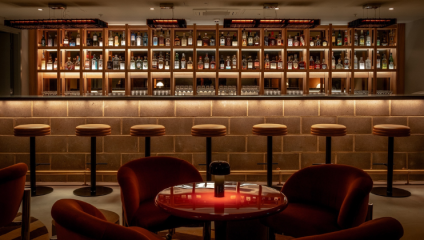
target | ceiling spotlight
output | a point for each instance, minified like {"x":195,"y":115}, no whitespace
{"x":40,"y":9}
{"x":152,"y":9}
{"x":276,"y":8}
{"x":391,"y":9}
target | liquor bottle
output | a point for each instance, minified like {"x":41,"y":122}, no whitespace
{"x":176,"y":62}
{"x":250,"y":39}
{"x":69,"y":64}
{"x":145,"y":63}
{"x":155,"y":39}
{"x":110,"y":39}
{"x":49,"y":41}
{"x":317,"y":63}
{"x":273,"y":64}
{"x":323,"y":64}
{"x":384,"y":62}
{"x":190,"y":40}
{"x":266,"y":38}
{"x":189,"y":63}
{"x":333,"y":62}
{"x":55,"y":40}
{"x":184,"y":40}
{"x":368,"y":39}
{"x":378,"y":40}
{"x":243,"y":63}
{"x":302,"y":64}
{"x":212,"y":41}
{"x":55,"y":64}
{"x":92,"y":41}
{"x":362,"y":39}
{"x":346,"y":62}
{"x":346,"y":38}
{"x":256,"y":63}
{"x":235,"y":42}
{"x":266,"y":62}
{"x":302,"y":40}
{"x":339,"y":64}
{"x":123,"y":39}
{"x":318,"y":42}
{"x":50,"y":64}
{"x":77,"y":40}
{"x":167,"y":61}
{"x":391,"y":62}
{"x":280,"y":62}
{"x":392,"y":38}
{"x":290,"y":63}
{"x":199,"y":41}
{"x":213,"y":64}
{"x":137,"y":64}
{"x":256,"y":40}
{"x":100,"y":63}
{"x":378,"y":60}
{"x":222,"y":62}
{"x":333,"y":39}
{"x":43,"y":62}
{"x":206,"y":62}
{"x":339,"y":39}
{"x":272,"y":41}
{"x":355,"y":41}
{"x":94,"y":62}
{"x":290,"y":41}
{"x":296,"y":42}
{"x":100,"y":40}
{"x":66,"y":40}
{"x":87,"y":62}
{"x":145,"y":39}
{"x":311,"y":63}
{"x":244,"y":38}
{"x":228,"y":40}
{"x":234,"y":62}
{"x":368,"y":63}
{"x":133,"y":40}
{"x":183,"y":62}
{"x":71,"y":42}
{"x":154,"y":62}
{"x":43,"y":41}
{"x":355,"y":62}
{"x":200,"y":63}
{"x":361,"y":64}
{"x":122,"y":64}
{"x":161,"y":39}
{"x":295,"y":62}
{"x":222,"y":39}
{"x":116,"y":40}
{"x":167,"y":39}
{"x":279,"y":40}
{"x":324,"y":42}
{"x":228,"y":63}
{"x":206,"y":40}
{"x":177,"y":41}
{"x":110,"y":63}
{"x":160,"y":61}
{"x":249,"y":62}
{"x":311,"y":42}
{"x":132,"y":62}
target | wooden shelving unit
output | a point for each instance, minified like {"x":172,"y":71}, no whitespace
{"x":305,"y":77}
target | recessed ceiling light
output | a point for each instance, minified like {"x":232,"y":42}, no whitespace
{"x":152,"y":8}
{"x":277,"y":8}
{"x":391,"y":9}
{"x":40,"y":9}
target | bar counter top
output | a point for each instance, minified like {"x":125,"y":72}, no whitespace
{"x":282,"y":97}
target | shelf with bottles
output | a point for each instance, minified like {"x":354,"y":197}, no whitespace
{"x":138,"y":38}
{"x":318,"y":38}
{"x":273,"y":38}
{"x":47,"y":60}
{"x":161,"y":60}
{"x":362,"y":60}
{"x":183,"y":59}
{"x":160,"y":38}
{"x":93,"y":38}
{"x":69,"y":38}
{"x":115,"y":60}
{"x":71,"y":60}
{"x":183,"y":37}
{"x":47,"y":38}
{"x":115,"y":38}
{"x":251,"y":38}
{"x":318,"y":60}
{"x":340,"y":60}
{"x":296,"y":38}
{"x":386,"y":60}
{"x":205,"y":38}
{"x":251,"y":60}
{"x":386,"y":38}
{"x":363,"y":37}
{"x":228,"y":60}
{"x":296,"y":60}
{"x":341,"y":37}
{"x":206,"y":60}
{"x":139,"y":60}
{"x":228,"y":38}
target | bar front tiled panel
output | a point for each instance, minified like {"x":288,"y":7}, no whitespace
{"x":243,"y":150}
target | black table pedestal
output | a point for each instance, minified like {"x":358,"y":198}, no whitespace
{"x":35,"y":190}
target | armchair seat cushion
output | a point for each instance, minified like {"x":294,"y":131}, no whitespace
{"x":299,"y":220}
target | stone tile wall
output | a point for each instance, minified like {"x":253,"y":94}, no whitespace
{"x":64,"y":151}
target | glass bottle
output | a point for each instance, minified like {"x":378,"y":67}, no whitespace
{"x":43,"y":62}
{"x":296,"y":41}
{"x":311,"y":63}
{"x":94,"y":63}
{"x":368,"y":39}
{"x":290,"y":41}
{"x":139,"y":64}
{"x":272,"y":41}
{"x":155,"y":39}
{"x":183,"y":62}
{"x":110,"y":63}
{"x":318,"y":42}
{"x":250,"y":39}
{"x":346,"y":62}
{"x":391,"y":62}
{"x":356,"y":40}
{"x":346,"y":39}
{"x":100,"y":40}
{"x":154,"y":62}
{"x":43,"y":41}
{"x":222,"y":62}
{"x":189,"y":63}
{"x":317,"y":63}
{"x":266,"y":62}
{"x":206,"y":62}
{"x":378,"y":40}
{"x":244,"y":63}
{"x":213,"y":64}
{"x":234,"y":62}
{"x":249,"y":62}
{"x":87,"y":63}
{"x":167,"y":61}
{"x":355,"y":62}
{"x":378,"y":60}
{"x":100,"y":62}
{"x":302,"y":64}
{"x":302,"y":40}
{"x":132,"y":62}
{"x":244,"y":38}
{"x":280,"y":62}
{"x":368,"y":63}
{"x":116,"y":63}
{"x":339,"y":64}
{"x":222,"y":39}
{"x":176,"y":62}
{"x":333,"y":39}
{"x":177,"y":41}
{"x":295,"y":62}
{"x":324,"y":43}
{"x":266,"y":38}
{"x":212,"y":41}
{"x":199,"y":41}
{"x":311,"y":42}
{"x":361,"y":63}
{"x":333,"y":62}
{"x":190,"y":40}
{"x":323,"y":64}
{"x":200,"y":63}
{"x":55,"y":64}
{"x":290,"y":63}
{"x":77,"y":40}
{"x":50,"y":64}
{"x":184,"y":40}
{"x":133,"y":40}
{"x":256,"y":40}
{"x":167,"y":39}
{"x":160,"y":61}
{"x":273,"y":64}
{"x":116,"y":40}
{"x":279,"y":39}
{"x":145,"y":63}
{"x":110,"y":39}
{"x":122,"y":39}
{"x":228,"y":40}
{"x":384,"y":62}
{"x":161,"y":39}
{"x":256,"y":63}
{"x":206,"y":40}
{"x":228,"y":63}
{"x":55,"y":40}
{"x":235,"y":42}
{"x":121,"y":63}
{"x":392,"y":38}
{"x":145,"y":39}
{"x":339,"y":39}
{"x":69,"y":64}
{"x":362,"y":39}
{"x":65,"y":40}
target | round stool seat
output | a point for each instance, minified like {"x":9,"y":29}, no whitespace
{"x":328,"y":130}
{"x":147,"y":130}
{"x":93,"y":130}
{"x":31,"y":130}
{"x":269,"y":129}
{"x":391,"y":130}
{"x":208,"y":130}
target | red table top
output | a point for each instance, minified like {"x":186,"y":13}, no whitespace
{"x":241,"y":201}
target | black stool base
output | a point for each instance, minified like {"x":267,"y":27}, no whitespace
{"x":86,"y":191}
{"x":41,"y":190}
{"x":396,"y":192}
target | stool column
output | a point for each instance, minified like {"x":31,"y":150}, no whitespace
{"x":390,"y":167}
{"x":327,"y":150}
{"x":93,"y":166}
{"x":269,"y":161}
{"x":208,"y":157}
{"x":32,"y":166}
{"x":147,"y":146}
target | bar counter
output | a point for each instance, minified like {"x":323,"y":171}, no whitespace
{"x":69,"y":154}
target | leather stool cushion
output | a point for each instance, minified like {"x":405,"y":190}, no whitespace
{"x":31,"y":130}
{"x":208,"y":130}
{"x":328,"y":130}
{"x":147,"y":130}
{"x":269,"y":129}
{"x":93,"y":130}
{"x":391,"y":130}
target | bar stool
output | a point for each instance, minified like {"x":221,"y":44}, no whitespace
{"x":391,"y":131}
{"x":208,"y":131}
{"x":93,"y":131}
{"x":328,"y":131}
{"x":147,"y":131}
{"x":269,"y":130}
{"x":32,"y":131}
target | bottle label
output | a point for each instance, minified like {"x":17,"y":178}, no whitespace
{"x":222,"y":42}
{"x":94,"y":38}
{"x":206,"y":65}
{"x":132,"y":37}
{"x":221,"y":66}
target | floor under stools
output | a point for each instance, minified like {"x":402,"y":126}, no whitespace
{"x":409,"y":211}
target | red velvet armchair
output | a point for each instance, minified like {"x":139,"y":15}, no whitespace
{"x":323,"y":199}
{"x":142,"y":179}
{"x":382,"y":228}
{"x":77,"y":220}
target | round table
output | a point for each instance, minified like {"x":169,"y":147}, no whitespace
{"x":241,"y":201}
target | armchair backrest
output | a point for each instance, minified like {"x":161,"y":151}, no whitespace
{"x":342,"y":188}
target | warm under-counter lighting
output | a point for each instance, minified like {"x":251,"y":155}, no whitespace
{"x":40,"y":9}
{"x":152,"y":9}
{"x":391,"y":9}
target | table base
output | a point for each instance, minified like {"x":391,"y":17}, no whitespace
{"x":86,"y":191}
{"x":396,"y":192}
{"x":40,"y":191}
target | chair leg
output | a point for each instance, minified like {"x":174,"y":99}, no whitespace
{"x":26,"y":214}
{"x":271,"y":234}
{"x":369,"y":212}
{"x":170,"y":233}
